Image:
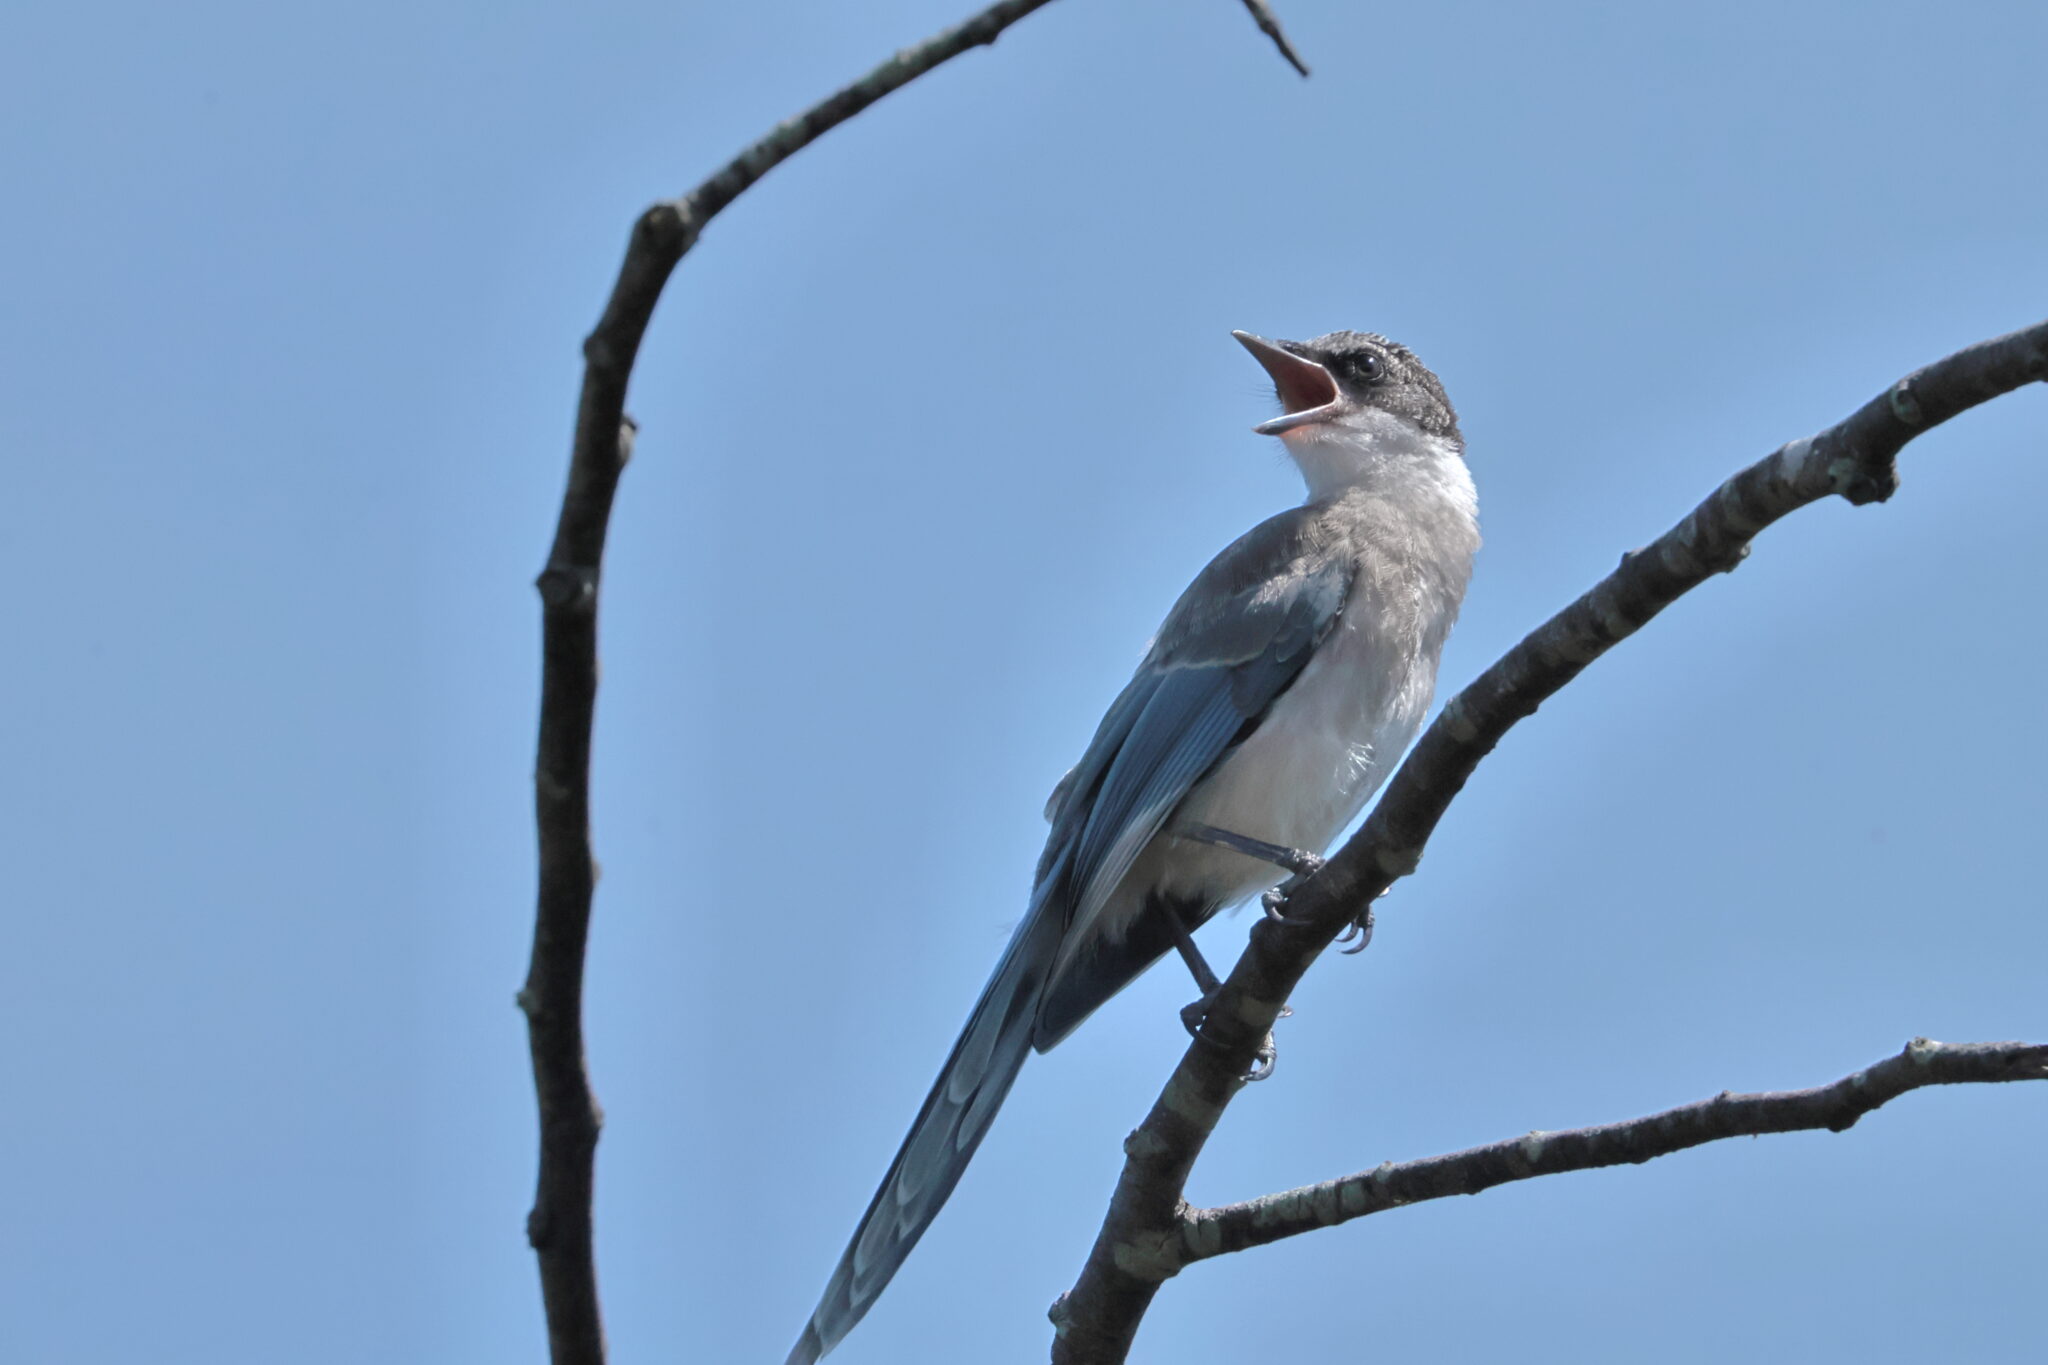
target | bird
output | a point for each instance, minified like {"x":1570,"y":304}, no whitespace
{"x":1275,"y":698}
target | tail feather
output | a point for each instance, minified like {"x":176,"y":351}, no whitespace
{"x":956,"y":1115}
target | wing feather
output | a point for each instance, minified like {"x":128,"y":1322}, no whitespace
{"x":1236,"y":641}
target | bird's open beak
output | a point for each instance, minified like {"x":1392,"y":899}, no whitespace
{"x":1305,"y":388}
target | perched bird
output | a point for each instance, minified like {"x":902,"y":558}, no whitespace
{"x":1274,"y":700}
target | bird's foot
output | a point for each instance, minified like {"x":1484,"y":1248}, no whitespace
{"x":1275,"y":900}
{"x":1359,"y":929}
{"x":1299,"y":862}
{"x":1195,"y":1012}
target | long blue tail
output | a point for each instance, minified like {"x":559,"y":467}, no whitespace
{"x":956,"y":1115}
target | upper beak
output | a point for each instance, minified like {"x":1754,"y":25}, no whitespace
{"x":1305,"y":388}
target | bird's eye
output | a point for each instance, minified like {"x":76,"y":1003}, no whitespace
{"x":1368,"y":367}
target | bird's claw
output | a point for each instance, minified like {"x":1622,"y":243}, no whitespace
{"x":1195,"y":1012}
{"x":1359,"y":929}
{"x":1275,"y":899}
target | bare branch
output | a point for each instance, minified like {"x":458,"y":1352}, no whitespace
{"x":560,"y":1225}
{"x":1262,"y":15}
{"x":1234,"y":1227}
{"x":1854,"y":458}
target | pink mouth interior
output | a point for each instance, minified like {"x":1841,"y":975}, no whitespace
{"x":1301,"y":383}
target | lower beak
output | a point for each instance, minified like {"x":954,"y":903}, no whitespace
{"x":1304,"y":388}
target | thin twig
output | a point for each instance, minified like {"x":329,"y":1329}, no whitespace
{"x":1854,"y":458}
{"x":1263,"y":16}
{"x":560,"y":1225}
{"x":1255,"y":1222}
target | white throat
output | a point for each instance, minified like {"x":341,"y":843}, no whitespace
{"x":1374,"y":449}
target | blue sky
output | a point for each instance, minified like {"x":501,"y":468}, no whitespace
{"x":936,"y":422}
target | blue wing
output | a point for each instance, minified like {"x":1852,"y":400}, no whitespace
{"x":1236,"y":641}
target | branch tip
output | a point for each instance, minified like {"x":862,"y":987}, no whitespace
{"x":1835,"y":1106}
{"x":1262,"y":15}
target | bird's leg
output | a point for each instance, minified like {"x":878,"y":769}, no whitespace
{"x":1198,"y":966}
{"x":1300,"y":862}
{"x":1192,"y":1014}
